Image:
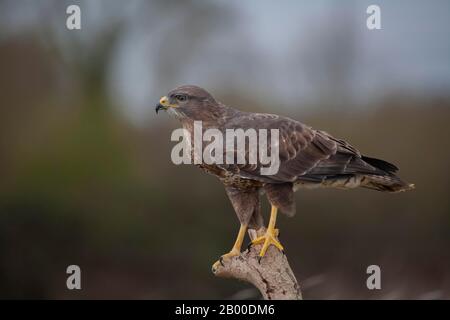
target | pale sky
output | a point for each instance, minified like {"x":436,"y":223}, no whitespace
{"x":289,"y":49}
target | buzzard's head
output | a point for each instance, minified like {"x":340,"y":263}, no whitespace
{"x":189,"y":102}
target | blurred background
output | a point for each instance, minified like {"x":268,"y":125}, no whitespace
{"x":85,"y":170}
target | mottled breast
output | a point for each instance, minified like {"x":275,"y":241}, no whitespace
{"x":229,"y":178}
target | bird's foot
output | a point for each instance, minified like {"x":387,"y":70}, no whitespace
{"x":232,"y":253}
{"x":269,"y":238}
{"x":258,"y":239}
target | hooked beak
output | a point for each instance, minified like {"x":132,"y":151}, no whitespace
{"x":164,"y":104}
{"x":159,"y":107}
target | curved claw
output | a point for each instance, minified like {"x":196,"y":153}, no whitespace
{"x":228,"y":255}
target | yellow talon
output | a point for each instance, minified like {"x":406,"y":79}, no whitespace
{"x":231,"y":254}
{"x":270,"y":237}
{"x":236,"y":248}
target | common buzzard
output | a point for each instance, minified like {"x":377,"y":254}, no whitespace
{"x":308,"y":159}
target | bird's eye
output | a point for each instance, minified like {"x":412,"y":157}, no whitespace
{"x":181,"y":97}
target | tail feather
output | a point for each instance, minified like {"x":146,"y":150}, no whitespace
{"x":380,"y":164}
{"x":387,"y":183}
{"x":348,"y":173}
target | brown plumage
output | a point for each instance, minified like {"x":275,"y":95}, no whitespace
{"x":308,"y":158}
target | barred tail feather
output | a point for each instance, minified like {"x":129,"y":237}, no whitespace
{"x":387,"y":183}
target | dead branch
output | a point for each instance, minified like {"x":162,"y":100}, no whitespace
{"x":272,"y":275}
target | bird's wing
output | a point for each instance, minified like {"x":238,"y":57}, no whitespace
{"x":303,"y":151}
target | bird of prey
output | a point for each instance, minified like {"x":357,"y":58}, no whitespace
{"x":308,"y":159}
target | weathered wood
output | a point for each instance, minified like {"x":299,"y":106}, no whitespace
{"x":272,"y":275}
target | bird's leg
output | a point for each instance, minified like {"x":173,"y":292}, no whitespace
{"x":236,"y":250}
{"x":270,"y":237}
